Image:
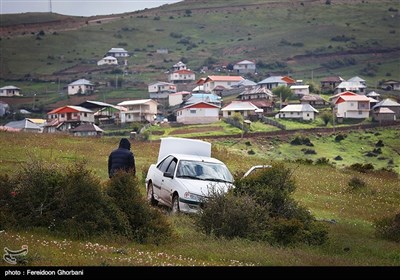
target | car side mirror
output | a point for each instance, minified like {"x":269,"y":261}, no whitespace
{"x":169,"y":175}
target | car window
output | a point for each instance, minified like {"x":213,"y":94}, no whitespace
{"x":171,"y":167}
{"x":163,"y":165}
{"x":203,"y":171}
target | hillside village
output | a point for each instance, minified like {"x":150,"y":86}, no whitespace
{"x":204,"y":102}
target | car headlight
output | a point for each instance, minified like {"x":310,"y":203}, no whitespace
{"x":193,"y":196}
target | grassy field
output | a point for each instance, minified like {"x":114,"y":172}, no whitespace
{"x":323,"y":189}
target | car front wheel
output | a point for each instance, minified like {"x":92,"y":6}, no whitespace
{"x":175,"y":204}
{"x":150,"y":195}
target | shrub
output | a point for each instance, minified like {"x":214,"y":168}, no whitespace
{"x":388,"y":228}
{"x":340,"y":137}
{"x":356,"y":183}
{"x":262,"y":204}
{"x":309,"y":151}
{"x":338,"y":158}
{"x":363,"y":168}
{"x":300,"y":140}
{"x":69,"y":200}
{"x":322,"y":161}
{"x":146,"y":224}
{"x":222,"y":212}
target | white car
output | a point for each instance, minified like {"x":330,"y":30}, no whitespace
{"x":185,"y":174}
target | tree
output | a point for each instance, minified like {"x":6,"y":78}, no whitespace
{"x":283,"y":92}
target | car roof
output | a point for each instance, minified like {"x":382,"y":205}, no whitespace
{"x":194,"y":158}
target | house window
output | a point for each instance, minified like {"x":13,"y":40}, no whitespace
{"x":308,"y":115}
{"x":360,"y":112}
{"x":192,"y":111}
{"x":229,"y":113}
{"x":62,"y":115}
{"x":352,"y":104}
{"x":85,"y":115}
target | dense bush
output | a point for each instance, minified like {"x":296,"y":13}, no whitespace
{"x":300,"y":140}
{"x":363,"y":168}
{"x":69,"y":200}
{"x":260,"y":208}
{"x":389,"y":228}
{"x":356,"y":183}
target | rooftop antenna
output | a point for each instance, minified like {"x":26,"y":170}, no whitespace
{"x":50,"y":7}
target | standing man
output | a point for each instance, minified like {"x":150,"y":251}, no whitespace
{"x":121,"y":159}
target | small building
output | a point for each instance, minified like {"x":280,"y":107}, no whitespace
{"x":356,"y":87}
{"x":212,"y":82}
{"x":297,"y":111}
{"x":177,"y":98}
{"x":160,"y":90}
{"x":182,"y":76}
{"x":108,"y":60}
{"x":10,"y":91}
{"x":117,"y":52}
{"x":245,"y":108}
{"x":383,"y":114}
{"x":67,"y":117}
{"x":314,"y":100}
{"x":276,"y":81}
{"x":328,"y":84}
{"x":81,"y":86}
{"x":198,"y":113}
{"x":391,"y":85}
{"x":26,"y":125}
{"x":389,"y":104}
{"x":300,"y":90}
{"x":143,"y":110}
{"x":256,"y":93}
{"x":352,"y":107}
{"x":179,"y":66}
{"x":244,"y":67}
{"x":87,"y":129}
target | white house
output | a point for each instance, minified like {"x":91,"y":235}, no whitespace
{"x":245,"y":108}
{"x":10,"y":91}
{"x":177,"y":98}
{"x":297,"y":111}
{"x":276,"y":81}
{"x":182,"y":76}
{"x":179,"y":66}
{"x":198,"y":113}
{"x":138,"y":110}
{"x":161,"y":89}
{"x":212,"y":82}
{"x":244,"y":67}
{"x":108,"y":60}
{"x":355,"y":87}
{"x":300,"y":90}
{"x":81,"y":86}
{"x":352,"y":107}
{"x":117,"y":52}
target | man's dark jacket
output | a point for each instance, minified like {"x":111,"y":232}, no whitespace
{"x":121,"y":158}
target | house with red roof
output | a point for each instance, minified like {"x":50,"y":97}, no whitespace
{"x":352,"y":106}
{"x":67,"y":117}
{"x":212,"y":82}
{"x":182,"y":76}
{"x":198,"y":113}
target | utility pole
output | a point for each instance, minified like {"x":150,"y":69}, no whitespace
{"x":50,"y":7}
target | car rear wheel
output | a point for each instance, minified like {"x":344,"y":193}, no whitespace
{"x":175,"y":204}
{"x":150,"y":195}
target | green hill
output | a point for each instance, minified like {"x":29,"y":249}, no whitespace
{"x":307,"y":40}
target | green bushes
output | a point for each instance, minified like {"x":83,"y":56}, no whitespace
{"x":261,"y":208}
{"x":69,"y":200}
{"x":389,"y":228}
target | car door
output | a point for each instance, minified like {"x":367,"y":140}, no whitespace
{"x":158,"y":176}
{"x":168,"y":184}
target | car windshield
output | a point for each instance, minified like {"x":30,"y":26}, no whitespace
{"x":200,"y":170}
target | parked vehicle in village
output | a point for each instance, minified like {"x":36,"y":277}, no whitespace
{"x":186,"y":174}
